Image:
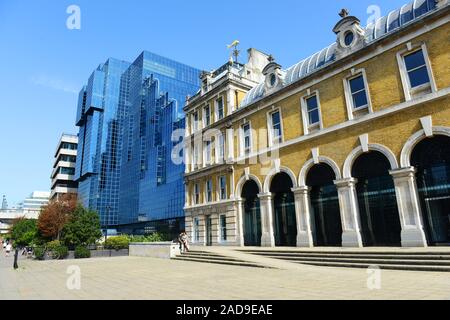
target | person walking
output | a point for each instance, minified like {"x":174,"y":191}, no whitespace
{"x":8,"y":249}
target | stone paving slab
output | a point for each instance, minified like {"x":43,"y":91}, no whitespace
{"x":147,"y":278}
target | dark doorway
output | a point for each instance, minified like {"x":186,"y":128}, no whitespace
{"x":325,"y":206}
{"x":285,"y":223}
{"x":431,"y":157}
{"x":252,"y":214}
{"x":380,"y":221}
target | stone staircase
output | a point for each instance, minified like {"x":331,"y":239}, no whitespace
{"x":389,"y":260}
{"x":215,"y":258}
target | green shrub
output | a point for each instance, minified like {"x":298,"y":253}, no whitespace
{"x":155,"y":237}
{"x":39,"y":253}
{"x":117,"y":243}
{"x":82,"y":252}
{"x":52,"y":245}
{"x":60,"y":253}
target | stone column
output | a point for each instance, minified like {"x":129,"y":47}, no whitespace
{"x":267,"y":238}
{"x":303,"y":215}
{"x":229,"y":143}
{"x":240,"y":222}
{"x":407,"y":195}
{"x":348,"y":203}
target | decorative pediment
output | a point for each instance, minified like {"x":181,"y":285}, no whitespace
{"x":350,"y":34}
{"x":274,"y":75}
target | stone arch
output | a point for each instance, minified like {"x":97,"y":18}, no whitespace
{"x":372,"y":147}
{"x":274,"y":172}
{"x":241,"y":183}
{"x":405,"y":158}
{"x":309,"y":164}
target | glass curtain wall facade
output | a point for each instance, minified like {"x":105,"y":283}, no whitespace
{"x":126,"y":114}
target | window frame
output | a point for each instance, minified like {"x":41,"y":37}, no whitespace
{"x":196,"y":230}
{"x":197,"y":194}
{"x":242,"y":148}
{"x":353,"y":112}
{"x":205,"y":117}
{"x":410,"y":92}
{"x":207,"y":183}
{"x":270,"y":129}
{"x":219,"y":188}
{"x":195,"y":124}
{"x":216,"y":102}
{"x":308,"y":128}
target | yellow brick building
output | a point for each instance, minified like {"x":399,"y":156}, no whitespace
{"x":349,"y":147}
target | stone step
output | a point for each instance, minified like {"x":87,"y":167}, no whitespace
{"x":207,"y":257}
{"x":289,"y":256}
{"x":384,"y":253}
{"x":222,"y":262}
{"x":381,"y":261}
{"x":381,"y":266}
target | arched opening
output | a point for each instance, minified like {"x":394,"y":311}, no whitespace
{"x":252,"y":214}
{"x":380,"y":221}
{"x":285,"y":223}
{"x":431,"y":157}
{"x":325,"y":210}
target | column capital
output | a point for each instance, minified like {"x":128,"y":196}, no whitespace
{"x":346,"y":183}
{"x":301,"y":190}
{"x":403,"y":172}
{"x":265,"y":196}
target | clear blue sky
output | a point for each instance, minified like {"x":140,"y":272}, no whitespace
{"x":43,"y":64}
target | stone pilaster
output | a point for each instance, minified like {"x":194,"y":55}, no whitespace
{"x":303,"y":216}
{"x":267,"y":238}
{"x":240,"y":222}
{"x":407,"y":196}
{"x":348,"y":203}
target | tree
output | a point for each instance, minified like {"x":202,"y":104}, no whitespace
{"x":55,"y":215}
{"x":23,"y":232}
{"x":82,"y":229}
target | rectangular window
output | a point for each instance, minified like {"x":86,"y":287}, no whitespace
{"x":358,"y":92}
{"x":208,"y":155}
{"x":195,"y":121}
{"x":220,"y":109}
{"x":246,"y":138}
{"x":196,"y":230}
{"x":196,"y":194}
{"x":223,"y":227}
{"x":223,"y":187}
{"x":417,"y":69}
{"x":275,"y":123}
{"x":221,"y":148}
{"x":209,"y":191}
{"x":312,"y":110}
{"x":207,"y":115}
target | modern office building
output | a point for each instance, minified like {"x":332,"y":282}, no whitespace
{"x":4,"y":203}
{"x":348,"y":147}
{"x":62,"y":178}
{"x":35,"y":202}
{"x":126,"y":115}
{"x":151,"y":184}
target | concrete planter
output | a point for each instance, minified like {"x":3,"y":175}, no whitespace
{"x":162,"y":250}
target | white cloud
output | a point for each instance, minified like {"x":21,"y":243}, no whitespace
{"x":53,"y":83}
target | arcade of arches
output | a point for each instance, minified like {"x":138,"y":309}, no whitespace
{"x":379,"y":205}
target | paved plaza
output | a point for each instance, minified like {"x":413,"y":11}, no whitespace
{"x":148,"y":278}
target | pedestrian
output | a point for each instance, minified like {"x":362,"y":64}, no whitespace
{"x":185,"y":241}
{"x":8,"y":249}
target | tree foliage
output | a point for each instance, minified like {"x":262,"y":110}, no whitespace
{"x":82,"y":229}
{"x":23,"y":232}
{"x":55,"y":215}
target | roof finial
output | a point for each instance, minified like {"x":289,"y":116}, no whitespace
{"x":344,"y":13}
{"x":270,"y":58}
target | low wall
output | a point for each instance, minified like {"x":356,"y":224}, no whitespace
{"x":162,"y":250}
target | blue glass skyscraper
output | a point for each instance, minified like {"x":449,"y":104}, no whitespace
{"x":126,"y":115}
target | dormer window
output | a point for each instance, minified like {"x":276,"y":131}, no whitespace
{"x":274,"y":76}
{"x":350,"y":34}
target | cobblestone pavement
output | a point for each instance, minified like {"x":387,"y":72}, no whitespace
{"x":147,"y":278}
